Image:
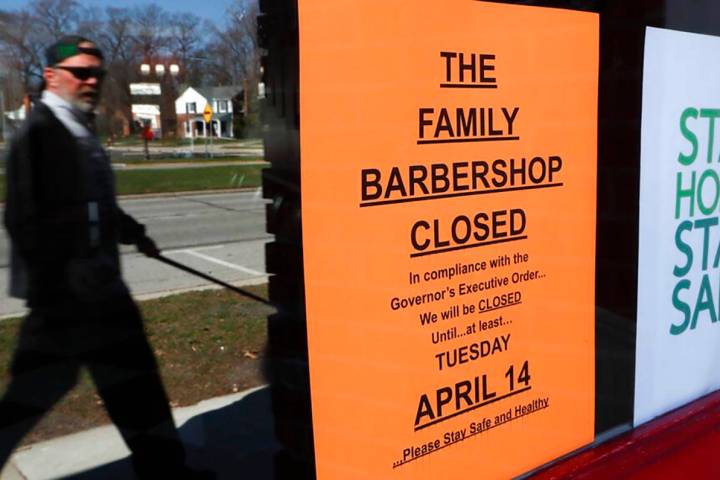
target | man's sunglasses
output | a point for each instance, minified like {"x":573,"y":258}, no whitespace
{"x":84,"y":73}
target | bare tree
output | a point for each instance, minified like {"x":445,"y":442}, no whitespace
{"x":187,"y":47}
{"x":234,"y":50}
{"x":23,"y":47}
{"x":116,"y":38}
{"x":129,"y":37}
{"x":90,"y":22}
{"x":118,"y":44}
{"x":242,"y":36}
{"x":150,"y":31}
{"x":236,"y":61}
{"x":25,"y":34}
{"x":55,"y":17}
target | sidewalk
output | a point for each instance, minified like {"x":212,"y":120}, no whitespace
{"x":227,"y":434}
{"x":198,"y":164}
{"x":243,"y":148}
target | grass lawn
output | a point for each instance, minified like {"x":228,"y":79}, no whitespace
{"x":139,"y":181}
{"x":208,"y":344}
{"x":187,"y":179}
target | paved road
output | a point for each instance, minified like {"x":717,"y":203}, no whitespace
{"x":222,"y":234}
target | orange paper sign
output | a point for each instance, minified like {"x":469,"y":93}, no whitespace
{"x":448,"y":194}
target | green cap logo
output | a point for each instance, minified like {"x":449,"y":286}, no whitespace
{"x":64,"y":51}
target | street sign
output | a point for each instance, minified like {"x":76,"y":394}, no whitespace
{"x":145,"y":89}
{"x":207,"y":113}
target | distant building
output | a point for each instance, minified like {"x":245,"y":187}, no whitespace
{"x":190,"y":105}
{"x":18,"y":115}
{"x":13,"y":120}
{"x":145,"y":108}
{"x":147,"y":114}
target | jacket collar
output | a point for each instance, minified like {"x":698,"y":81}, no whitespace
{"x":75,"y":120}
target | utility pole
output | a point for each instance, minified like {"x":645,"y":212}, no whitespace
{"x":191,"y":126}
{"x":2,"y":107}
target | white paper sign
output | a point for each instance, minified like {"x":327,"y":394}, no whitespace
{"x":678,"y":329}
{"x":140,"y":109}
{"x":145,"y":89}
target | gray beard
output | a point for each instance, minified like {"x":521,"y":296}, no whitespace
{"x":80,"y":105}
{"x":83,"y":106}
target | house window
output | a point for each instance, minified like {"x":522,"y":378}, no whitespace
{"x":222,"y":106}
{"x":191,"y":107}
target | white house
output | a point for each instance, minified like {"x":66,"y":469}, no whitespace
{"x":147,"y":114}
{"x":18,"y":115}
{"x":145,"y":106}
{"x":190,"y":105}
{"x":12,"y":121}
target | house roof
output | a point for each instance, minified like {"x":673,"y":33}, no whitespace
{"x":225,"y":92}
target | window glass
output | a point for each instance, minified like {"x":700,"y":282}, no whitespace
{"x":179,"y":245}
{"x":111,"y":325}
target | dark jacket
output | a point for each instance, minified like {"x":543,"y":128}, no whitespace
{"x":50,"y":191}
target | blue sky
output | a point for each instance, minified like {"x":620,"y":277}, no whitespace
{"x":213,"y":10}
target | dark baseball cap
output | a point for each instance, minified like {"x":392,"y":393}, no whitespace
{"x":69,"y":46}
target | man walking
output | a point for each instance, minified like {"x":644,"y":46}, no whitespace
{"x":65,"y":225}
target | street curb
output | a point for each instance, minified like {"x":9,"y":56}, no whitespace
{"x":189,"y":192}
{"x":177,"y":194}
{"x":168,"y":293}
